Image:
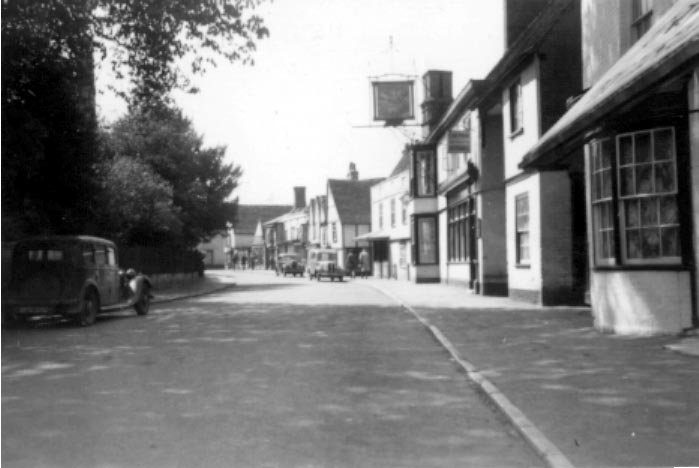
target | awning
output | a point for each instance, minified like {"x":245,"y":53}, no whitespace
{"x":671,"y":44}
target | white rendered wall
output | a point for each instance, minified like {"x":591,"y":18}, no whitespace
{"x":641,"y":302}
{"x":517,"y":145}
{"x":519,"y":277}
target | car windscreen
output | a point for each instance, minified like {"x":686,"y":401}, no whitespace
{"x":327,"y":256}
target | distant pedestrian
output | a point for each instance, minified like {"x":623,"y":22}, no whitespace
{"x":235,"y":260}
{"x":364,"y":263}
{"x":253,"y":260}
{"x":351,"y":264}
{"x":243,"y":261}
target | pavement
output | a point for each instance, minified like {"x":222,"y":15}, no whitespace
{"x":580,"y":397}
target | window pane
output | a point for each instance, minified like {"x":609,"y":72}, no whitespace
{"x":651,"y":242}
{"x":625,"y":151}
{"x":644,"y":178}
{"x":664,"y":177}
{"x":607,"y":153}
{"x":663,"y":145}
{"x":643,"y":147}
{"x":627,"y":185}
{"x":633,"y":243}
{"x":668,"y":210}
{"x":608,"y":244}
{"x":606,"y":178}
{"x":670,"y":241}
{"x":649,"y":211}
{"x":595,"y":156}
{"x":631,"y":208}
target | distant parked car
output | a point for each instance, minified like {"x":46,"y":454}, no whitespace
{"x":290,"y":264}
{"x":323,"y":263}
{"x":74,"y":276}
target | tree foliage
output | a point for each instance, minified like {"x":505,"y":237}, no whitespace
{"x":49,"y":127}
{"x":171,"y":154}
{"x":145,"y":41}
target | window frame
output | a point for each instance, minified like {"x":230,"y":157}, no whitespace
{"x":417,"y":238}
{"x":620,"y":255}
{"x":641,"y":18}
{"x":621,"y":199}
{"x":516,"y":108}
{"x":522,"y":232}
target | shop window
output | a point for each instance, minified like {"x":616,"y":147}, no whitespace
{"x":641,"y":17}
{"x":425,"y":235}
{"x":644,"y":202}
{"x":522,"y":229}
{"x":516,"y":111}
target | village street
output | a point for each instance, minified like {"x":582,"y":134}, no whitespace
{"x":273,"y":372}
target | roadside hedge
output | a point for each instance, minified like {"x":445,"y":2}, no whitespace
{"x":161,"y":260}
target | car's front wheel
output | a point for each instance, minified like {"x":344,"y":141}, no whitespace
{"x":142,"y":306}
{"x":89,"y":308}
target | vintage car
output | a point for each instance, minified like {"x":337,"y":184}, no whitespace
{"x":73,"y":276}
{"x":291,"y":264}
{"x":323,"y":262}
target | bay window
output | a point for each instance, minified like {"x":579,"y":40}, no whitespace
{"x":424,"y":173}
{"x":634,"y":198}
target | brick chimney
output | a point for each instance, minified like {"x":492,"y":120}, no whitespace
{"x":299,"y":197}
{"x":353,"y":174}
{"x":438,"y":98}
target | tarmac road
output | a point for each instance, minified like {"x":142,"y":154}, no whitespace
{"x":276,"y":372}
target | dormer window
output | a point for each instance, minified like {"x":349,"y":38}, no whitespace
{"x":516,"y":111}
{"x":641,"y":17}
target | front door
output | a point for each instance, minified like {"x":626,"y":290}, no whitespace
{"x":472,"y":246}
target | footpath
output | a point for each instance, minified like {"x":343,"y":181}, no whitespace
{"x":210,"y":283}
{"x":581,"y":397}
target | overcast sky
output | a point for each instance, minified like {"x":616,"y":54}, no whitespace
{"x":295,"y":118}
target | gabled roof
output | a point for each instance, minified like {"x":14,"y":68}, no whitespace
{"x":403,"y":164}
{"x":353,"y":199}
{"x":465,"y":100}
{"x":669,"y":45}
{"x":292,"y":213}
{"x":248,"y":216}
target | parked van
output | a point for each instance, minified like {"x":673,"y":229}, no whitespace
{"x":323,"y":262}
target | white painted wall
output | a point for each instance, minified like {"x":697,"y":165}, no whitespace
{"x":524,"y":278}
{"x":516,"y":145}
{"x":641,"y":302}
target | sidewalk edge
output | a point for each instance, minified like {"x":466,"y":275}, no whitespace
{"x":191,"y":295}
{"x":534,"y":437}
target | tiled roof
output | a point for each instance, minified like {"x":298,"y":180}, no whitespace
{"x":671,"y":43}
{"x":248,"y":216}
{"x":353,"y":199}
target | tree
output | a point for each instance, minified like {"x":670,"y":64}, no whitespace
{"x":164,"y":141}
{"x":49,"y":126}
{"x":136,"y":204}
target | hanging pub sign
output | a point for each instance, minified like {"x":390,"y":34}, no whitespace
{"x":393,"y":101}
{"x":459,"y":141}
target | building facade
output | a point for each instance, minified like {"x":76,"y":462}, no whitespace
{"x":636,"y":132}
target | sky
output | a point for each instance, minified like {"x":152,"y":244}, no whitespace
{"x":303,"y":111}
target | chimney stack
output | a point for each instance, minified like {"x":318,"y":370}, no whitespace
{"x":438,"y":98}
{"x":299,"y":197}
{"x":353,"y":174}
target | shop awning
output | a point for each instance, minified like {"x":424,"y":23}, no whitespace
{"x":670,"y":45}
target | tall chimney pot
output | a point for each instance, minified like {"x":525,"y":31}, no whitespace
{"x":353,"y":174}
{"x":299,"y":197}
